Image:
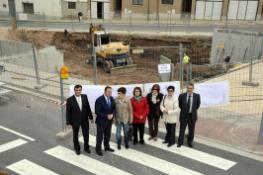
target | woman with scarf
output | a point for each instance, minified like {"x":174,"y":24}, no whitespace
{"x":140,"y":111}
{"x":154,"y":99}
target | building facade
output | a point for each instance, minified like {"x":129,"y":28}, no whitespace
{"x":48,"y":8}
{"x":71,"y":8}
{"x":196,"y":9}
{"x":151,"y":10}
{"x":227,"y":9}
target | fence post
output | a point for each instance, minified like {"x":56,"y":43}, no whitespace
{"x":61,"y":103}
{"x":252,"y":51}
{"x":260,"y":135}
{"x":191,"y":71}
{"x":94,"y":60}
{"x":35,"y":64}
{"x":65,"y":133}
{"x":181,"y":65}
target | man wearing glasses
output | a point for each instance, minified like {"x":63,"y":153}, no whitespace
{"x":189,"y":103}
{"x":78,"y":113}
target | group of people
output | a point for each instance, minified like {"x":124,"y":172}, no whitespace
{"x":125,"y":112}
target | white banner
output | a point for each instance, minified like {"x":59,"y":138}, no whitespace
{"x":213,"y":94}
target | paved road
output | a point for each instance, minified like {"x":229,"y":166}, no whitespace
{"x":28,"y":145}
{"x":127,"y":27}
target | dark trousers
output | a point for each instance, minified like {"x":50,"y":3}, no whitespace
{"x":170,"y":133}
{"x":103,"y":133}
{"x":85,"y":131}
{"x":136,"y":127}
{"x":191,"y":130}
{"x":153,"y":126}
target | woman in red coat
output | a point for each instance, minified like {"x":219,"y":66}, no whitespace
{"x":140,"y":111}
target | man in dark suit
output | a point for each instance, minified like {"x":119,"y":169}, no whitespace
{"x":105,"y":110}
{"x":78,"y":113}
{"x":189,"y":103}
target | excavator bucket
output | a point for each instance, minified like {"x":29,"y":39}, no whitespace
{"x":123,"y":69}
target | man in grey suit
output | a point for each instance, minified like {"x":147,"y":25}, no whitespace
{"x":189,"y":103}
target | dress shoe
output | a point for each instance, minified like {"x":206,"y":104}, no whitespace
{"x":127,"y":146}
{"x":170,"y":144}
{"x":142,"y":142}
{"x":119,"y":146}
{"x":99,"y":153}
{"x":77,"y":152}
{"x":164,"y":142}
{"x":190,"y":144}
{"x":87,"y":150}
{"x":109,"y":149}
{"x":179,"y":145}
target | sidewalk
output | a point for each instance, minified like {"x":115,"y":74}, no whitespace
{"x":237,"y":133}
{"x":124,"y":21}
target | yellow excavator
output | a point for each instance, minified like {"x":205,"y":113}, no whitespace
{"x":113,"y":56}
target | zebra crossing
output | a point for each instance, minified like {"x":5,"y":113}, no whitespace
{"x":12,"y":144}
{"x":63,"y":154}
{"x":194,"y":154}
{"x":93,"y":165}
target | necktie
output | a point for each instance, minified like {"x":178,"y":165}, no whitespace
{"x":109,"y":104}
{"x":188,"y":103}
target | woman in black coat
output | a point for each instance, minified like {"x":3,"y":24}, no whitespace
{"x":154,"y":99}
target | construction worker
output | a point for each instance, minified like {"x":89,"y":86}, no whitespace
{"x":186,"y":59}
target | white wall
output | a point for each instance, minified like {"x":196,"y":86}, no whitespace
{"x":2,"y":9}
{"x":107,"y":13}
{"x":49,"y":7}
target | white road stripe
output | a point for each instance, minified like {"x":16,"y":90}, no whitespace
{"x":84,"y":162}
{"x":13,"y":144}
{"x":26,"y":167}
{"x":194,"y":154}
{"x":148,"y":160}
{"x":17,"y":133}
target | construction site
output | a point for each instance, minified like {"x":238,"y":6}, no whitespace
{"x":76,"y":50}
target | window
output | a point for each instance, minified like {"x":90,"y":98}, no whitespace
{"x":28,"y":8}
{"x":71,"y":5}
{"x":4,"y":5}
{"x":105,"y":39}
{"x":167,"y":2}
{"x":137,"y":2}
